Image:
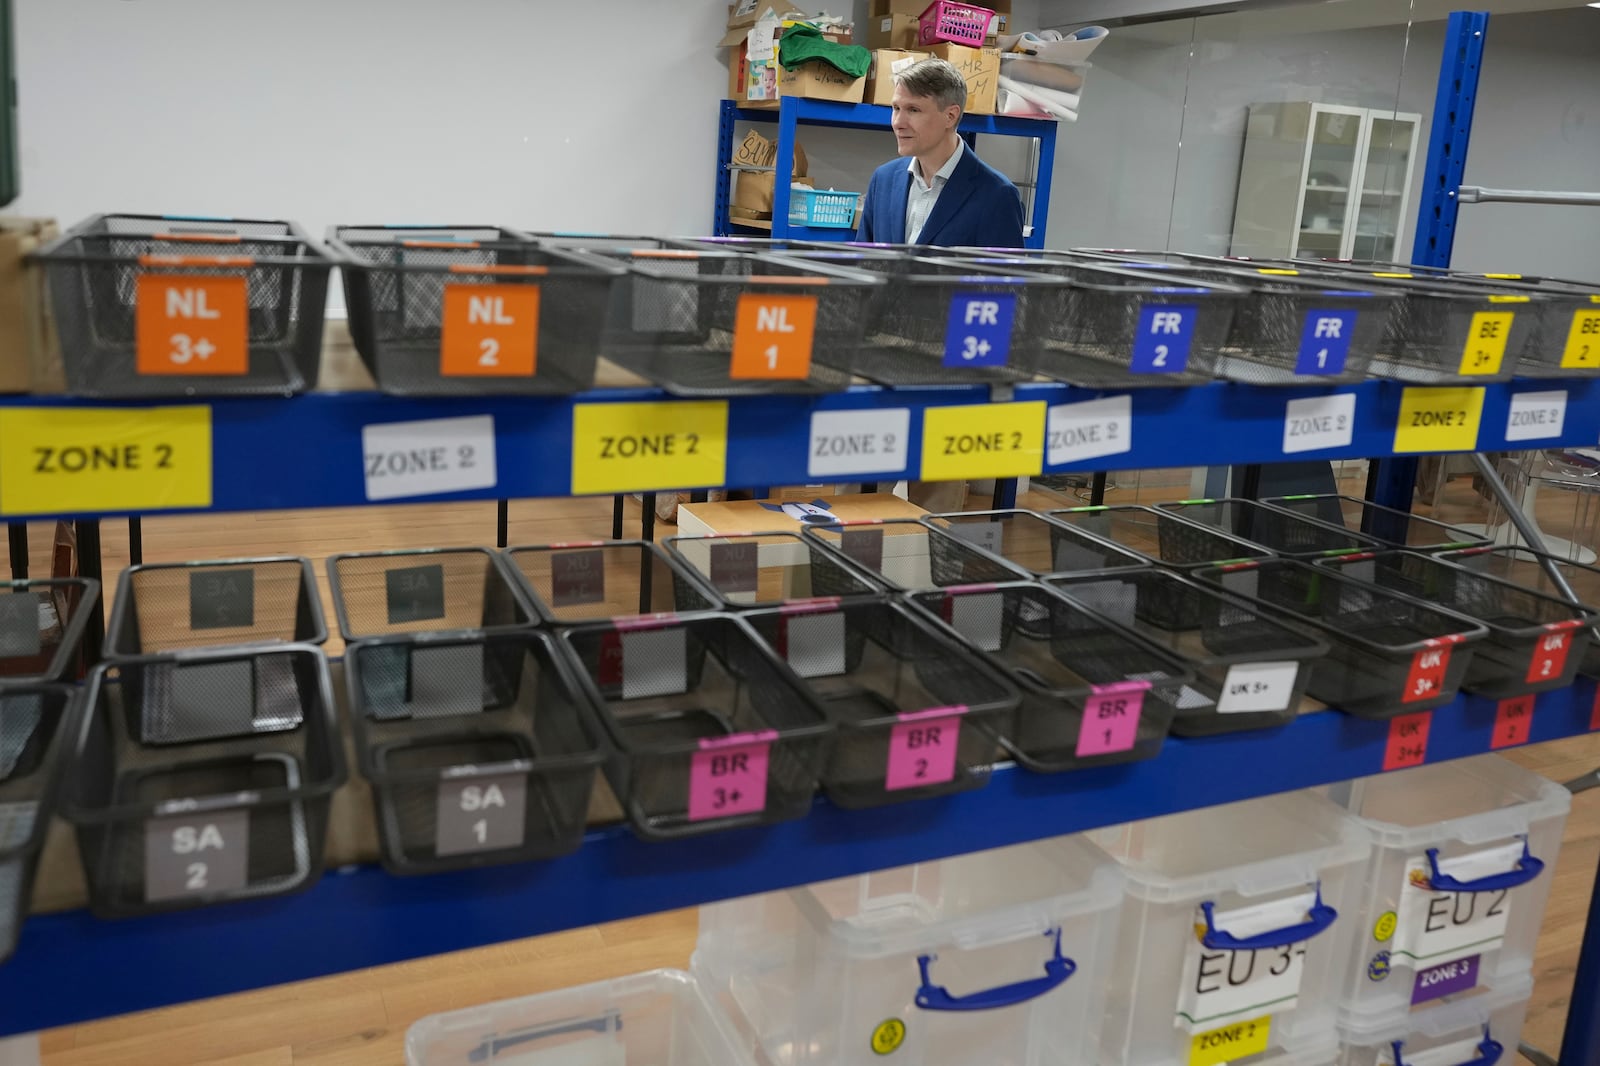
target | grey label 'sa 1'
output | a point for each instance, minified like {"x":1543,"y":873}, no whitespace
{"x":414,"y":593}
{"x":222,"y":599}
{"x":481,"y":814}
{"x":196,"y":855}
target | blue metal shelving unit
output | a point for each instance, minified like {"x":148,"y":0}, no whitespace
{"x":793,"y":112}
{"x":308,"y":451}
{"x":71,"y":967}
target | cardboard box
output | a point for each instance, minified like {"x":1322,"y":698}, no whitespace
{"x":753,"y":192}
{"x":981,"y":68}
{"x":913,"y":8}
{"x":817,"y":80}
{"x":758,"y":82}
{"x":26,"y":337}
{"x":886,"y":63}
{"x":892,"y":31}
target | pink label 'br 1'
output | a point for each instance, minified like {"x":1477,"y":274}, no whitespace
{"x":1111,"y":718}
{"x":922,"y":748}
{"x":728,"y":775}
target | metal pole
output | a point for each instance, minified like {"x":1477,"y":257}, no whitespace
{"x":502,"y":522}
{"x":17,"y":534}
{"x":1477,"y":194}
{"x":135,"y":542}
{"x":88,"y":538}
{"x":1097,"y":489}
{"x":616,"y":518}
{"x":1529,"y":531}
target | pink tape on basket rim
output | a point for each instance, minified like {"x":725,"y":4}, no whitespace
{"x":1117,"y":687}
{"x":954,"y":711}
{"x":739,"y":740}
{"x":811,"y":606}
{"x":578,"y":544}
{"x":962,"y":590}
{"x":659,"y":620}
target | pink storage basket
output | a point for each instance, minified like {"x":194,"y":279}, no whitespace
{"x":956,"y":23}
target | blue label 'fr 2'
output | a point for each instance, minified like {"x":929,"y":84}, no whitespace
{"x":979,"y":330}
{"x":1166,"y":333}
{"x":1325,"y":342}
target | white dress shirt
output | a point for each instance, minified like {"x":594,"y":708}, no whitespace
{"x":922,"y":197}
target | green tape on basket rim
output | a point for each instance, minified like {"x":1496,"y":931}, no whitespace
{"x":1252,"y":560}
{"x":1333,"y":553}
{"x":1092,"y":507}
{"x":1302,"y":496}
{"x":1461,"y":544}
{"x":1187,"y":502}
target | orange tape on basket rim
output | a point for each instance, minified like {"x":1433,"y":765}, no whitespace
{"x":198,"y":238}
{"x":157,"y":260}
{"x":452,"y":245}
{"x":519,"y":271}
{"x":785,"y":279}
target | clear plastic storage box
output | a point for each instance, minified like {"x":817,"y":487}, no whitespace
{"x":1000,"y":958}
{"x":1235,"y":933}
{"x":1479,"y":1031}
{"x":658,"y":1018}
{"x":1463,"y":858}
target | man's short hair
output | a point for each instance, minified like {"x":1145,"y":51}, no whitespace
{"x":937,"y":78}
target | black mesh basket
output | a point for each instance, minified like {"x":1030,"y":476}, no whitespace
{"x":1441,"y":333}
{"x":165,"y":607}
{"x":947,"y":319}
{"x":1535,"y":642}
{"x":203,"y":779}
{"x":1290,"y":329}
{"x":1035,"y":543}
{"x":1526,"y":568}
{"x":1389,"y":526}
{"x":35,"y":722}
{"x":1561,"y":317}
{"x":570,"y":583}
{"x":1119,"y":328}
{"x":381,"y":594}
{"x":478,"y":749}
{"x":41,"y":628}
{"x":1388,"y":653}
{"x":1250,"y":669}
{"x":711,"y":731}
{"x":747,"y":570}
{"x":1092,"y":692}
{"x":150,"y":305}
{"x":1282,"y":533}
{"x":723,"y":323}
{"x":905,"y":553}
{"x":471,"y":310}
{"x":1160,"y":535}
{"x":917,"y":712}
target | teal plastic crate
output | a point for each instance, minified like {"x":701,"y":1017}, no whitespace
{"x":826,"y":209}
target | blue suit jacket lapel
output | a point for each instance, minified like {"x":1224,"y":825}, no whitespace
{"x":894,"y":215}
{"x":951,"y":198}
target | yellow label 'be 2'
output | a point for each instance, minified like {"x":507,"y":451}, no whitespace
{"x":65,"y":460}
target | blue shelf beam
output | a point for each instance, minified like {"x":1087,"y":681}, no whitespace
{"x":307,"y":451}
{"x":71,"y":967}
{"x":795,"y":112}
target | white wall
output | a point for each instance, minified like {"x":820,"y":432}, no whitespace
{"x":536,"y":113}
{"x":1154,"y":161}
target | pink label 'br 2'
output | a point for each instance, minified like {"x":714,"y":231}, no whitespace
{"x":728,"y":775}
{"x":1111,"y":718}
{"x":922,"y":748}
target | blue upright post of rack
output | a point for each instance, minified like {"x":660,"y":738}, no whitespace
{"x":1392,"y":480}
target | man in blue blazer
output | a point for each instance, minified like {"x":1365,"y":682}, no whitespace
{"x":945,"y":195}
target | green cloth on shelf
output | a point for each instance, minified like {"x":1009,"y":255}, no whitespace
{"x":803,"y":43}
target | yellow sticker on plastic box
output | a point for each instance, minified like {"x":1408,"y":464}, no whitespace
{"x":56,"y":460}
{"x":1583,"y":341}
{"x":1439,"y":420}
{"x":638,"y":447}
{"x":1230,"y":1042}
{"x":983,"y":440}
{"x":1486,"y":341}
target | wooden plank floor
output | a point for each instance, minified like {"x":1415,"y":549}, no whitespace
{"x":360,"y":1018}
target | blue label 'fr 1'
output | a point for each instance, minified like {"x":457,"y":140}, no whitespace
{"x":979,"y":331}
{"x":1325,"y":342}
{"x":1166,"y":332}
